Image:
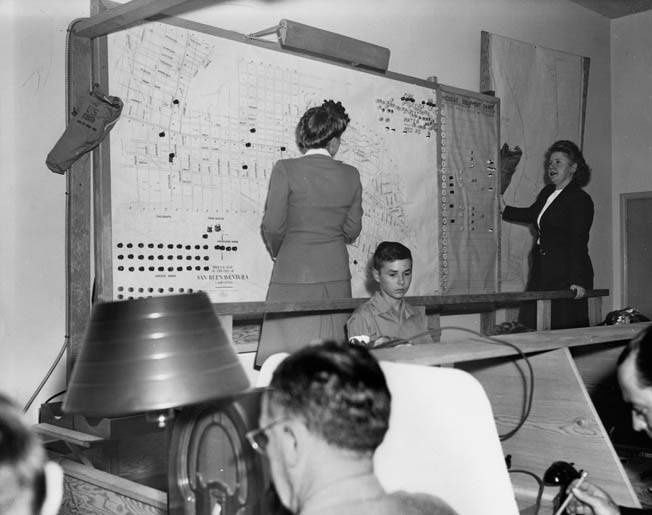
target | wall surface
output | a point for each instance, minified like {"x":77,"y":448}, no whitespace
{"x":631,"y":82}
{"x":426,"y":38}
{"x":32,"y":199}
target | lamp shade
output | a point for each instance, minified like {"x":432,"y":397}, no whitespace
{"x":153,"y":354}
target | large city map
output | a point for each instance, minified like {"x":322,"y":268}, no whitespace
{"x":204,"y":121}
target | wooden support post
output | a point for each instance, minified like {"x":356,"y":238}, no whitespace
{"x":595,"y":310}
{"x":543,"y":315}
{"x":487,"y":322}
{"x":434,"y":326}
{"x":78,"y":207}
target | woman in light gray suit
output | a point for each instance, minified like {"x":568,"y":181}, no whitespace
{"x":313,"y":209}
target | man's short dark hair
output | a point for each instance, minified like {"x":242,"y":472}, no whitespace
{"x":388,"y":251}
{"x":338,"y":390}
{"x":640,"y":347}
{"x":22,"y":461}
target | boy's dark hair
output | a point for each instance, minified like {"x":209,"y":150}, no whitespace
{"x":338,"y":390}
{"x":22,"y":461}
{"x":320,"y":124}
{"x":388,"y":251}
{"x":641,"y":348}
{"x":582,"y":174}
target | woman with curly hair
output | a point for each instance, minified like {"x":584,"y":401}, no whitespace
{"x":313,"y":209}
{"x":562,"y":215}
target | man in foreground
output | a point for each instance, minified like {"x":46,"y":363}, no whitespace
{"x":326,"y":412}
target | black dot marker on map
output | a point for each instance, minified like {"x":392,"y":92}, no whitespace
{"x":162,"y":134}
{"x":283,"y":149}
{"x":171,"y":156}
{"x":252,"y":130}
{"x":176,"y":101}
{"x":247,"y":144}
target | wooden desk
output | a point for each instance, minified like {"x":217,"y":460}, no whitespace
{"x":563,"y":423}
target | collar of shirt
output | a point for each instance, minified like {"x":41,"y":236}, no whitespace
{"x":551,"y":198}
{"x":382,"y":306}
{"x":317,"y":151}
{"x":344,"y":491}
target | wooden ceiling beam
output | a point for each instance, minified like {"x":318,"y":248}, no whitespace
{"x":123,"y":16}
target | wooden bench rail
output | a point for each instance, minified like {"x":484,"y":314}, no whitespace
{"x":444,"y":304}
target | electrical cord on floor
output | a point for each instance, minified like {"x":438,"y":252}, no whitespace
{"x":527,"y":403}
{"x":47,"y":376}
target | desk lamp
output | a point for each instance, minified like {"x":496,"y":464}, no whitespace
{"x":169,"y":357}
{"x":153,"y":355}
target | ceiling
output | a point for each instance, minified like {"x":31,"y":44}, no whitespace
{"x":616,"y":8}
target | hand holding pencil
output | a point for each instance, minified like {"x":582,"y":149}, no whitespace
{"x":585,"y":498}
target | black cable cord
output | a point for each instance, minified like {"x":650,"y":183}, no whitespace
{"x":47,"y":375}
{"x":527,"y":404}
{"x":537,"y":503}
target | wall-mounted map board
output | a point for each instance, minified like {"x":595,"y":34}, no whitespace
{"x":208,"y":112}
{"x":469,"y":169}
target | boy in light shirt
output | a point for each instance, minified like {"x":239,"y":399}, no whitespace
{"x":386,"y":318}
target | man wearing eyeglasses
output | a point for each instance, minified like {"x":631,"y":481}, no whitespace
{"x":326,"y":412}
